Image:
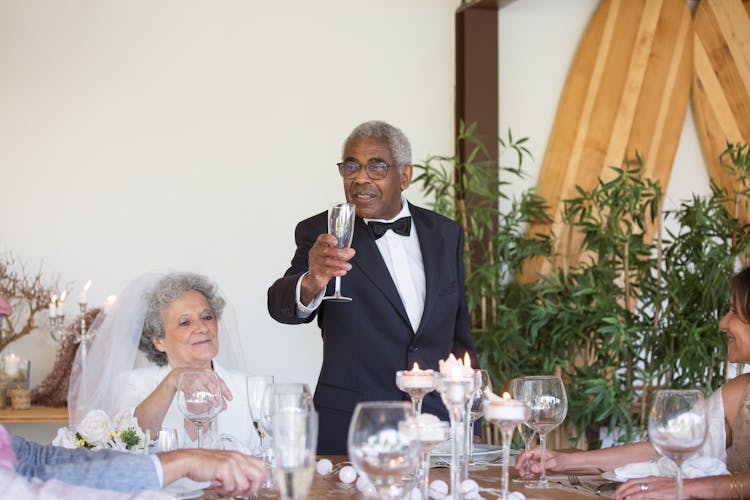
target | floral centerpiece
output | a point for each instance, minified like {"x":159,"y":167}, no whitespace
{"x":98,"y":431}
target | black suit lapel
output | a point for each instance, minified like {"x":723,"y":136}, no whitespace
{"x":372,"y":265}
{"x":432,"y":244}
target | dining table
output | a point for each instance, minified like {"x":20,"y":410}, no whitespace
{"x":487,"y":476}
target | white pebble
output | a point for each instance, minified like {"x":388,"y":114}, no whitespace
{"x":324,"y":466}
{"x":347,"y":474}
{"x":438,"y":489}
{"x":416,"y":494}
{"x":469,"y":488}
{"x":516,"y":495}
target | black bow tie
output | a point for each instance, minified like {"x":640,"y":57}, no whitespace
{"x":401,"y":226}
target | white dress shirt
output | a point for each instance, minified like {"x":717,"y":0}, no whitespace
{"x":403,"y":258}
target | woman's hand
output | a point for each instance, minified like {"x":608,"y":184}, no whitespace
{"x":553,"y":461}
{"x":647,"y":487}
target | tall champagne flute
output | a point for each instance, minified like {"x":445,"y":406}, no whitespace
{"x":379,"y":449}
{"x":677,"y":426}
{"x":256,"y":387}
{"x":199,"y":398}
{"x":341,"y":225}
{"x":294,"y":448}
{"x":475,"y":410}
{"x":548,"y":406}
{"x":528,"y":435}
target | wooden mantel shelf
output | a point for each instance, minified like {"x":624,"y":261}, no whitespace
{"x":36,"y":414}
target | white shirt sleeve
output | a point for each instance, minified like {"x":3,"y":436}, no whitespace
{"x":716,"y":438}
{"x":304,"y":311}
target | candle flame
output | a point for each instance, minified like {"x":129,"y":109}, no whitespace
{"x":506,"y":396}
{"x":54,"y":298}
{"x":87,"y":285}
{"x":62,"y":296}
{"x":415,"y":367}
{"x":467,"y":360}
{"x":456,"y":372}
{"x":110,"y":300}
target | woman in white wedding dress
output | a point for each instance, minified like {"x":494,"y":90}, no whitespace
{"x":177,"y":322}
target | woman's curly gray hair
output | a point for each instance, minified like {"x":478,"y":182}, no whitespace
{"x":398,"y":143}
{"x":167,"y":289}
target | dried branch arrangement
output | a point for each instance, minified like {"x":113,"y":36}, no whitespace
{"x":27,"y":294}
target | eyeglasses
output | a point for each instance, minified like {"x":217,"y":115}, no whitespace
{"x":375,"y":169}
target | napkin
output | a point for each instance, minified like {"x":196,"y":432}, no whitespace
{"x":698,"y":466}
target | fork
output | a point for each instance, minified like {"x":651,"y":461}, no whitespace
{"x":573,"y":479}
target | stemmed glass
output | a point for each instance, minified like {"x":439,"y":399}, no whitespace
{"x":528,"y":435}
{"x":506,"y":414}
{"x":294,"y":448}
{"x":341,"y":225}
{"x":548,"y":405}
{"x":277,"y":397}
{"x":677,"y":426}
{"x":475,"y":410}
{"x":379,"y":449}
{"x":199,"y":398}
{"x":417,"y":384}
{"x":256,"y":387}
{"x":427,"y":431}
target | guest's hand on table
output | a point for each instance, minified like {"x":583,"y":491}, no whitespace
{"x":324,"y":262}
{"x":553,"y":461}
{"x":230,"y":472}
{"x":649,"y":487}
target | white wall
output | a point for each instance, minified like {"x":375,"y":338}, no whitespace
{"x":195,"y":134}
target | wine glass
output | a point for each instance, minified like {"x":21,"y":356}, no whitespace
{"x":199,"y":398}
{"x":528,"y":435}
{"x":548,"y":405}
{"x":256,"y":387}
{"x":475,"y":409}
{"x":294,"y":448}
{"x":677,"y":426}
{"x":379,"y":449}
{"x":341,"y":225}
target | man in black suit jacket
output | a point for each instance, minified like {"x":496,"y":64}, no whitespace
{"x":408,"y":299}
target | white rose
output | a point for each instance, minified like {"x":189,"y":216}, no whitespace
{"x":95,"y":428}
{"x":65,"y":438}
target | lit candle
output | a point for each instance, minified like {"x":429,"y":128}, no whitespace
{"x":52,"y":306}
{"x":505,"y":409}
{"x":418,"y":379}
{"x":453,"y":368}
{"x":84,"y":297}
{"x":109,"y":302}
{"x":61,"y":303}
{"x":12,"y":364}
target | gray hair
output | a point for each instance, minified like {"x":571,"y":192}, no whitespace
{"x":398,"y":144}
{"x":168,"y":289}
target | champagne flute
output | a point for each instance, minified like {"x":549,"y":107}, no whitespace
{"x":548,"y":406}
{"x":677,"y":426}
{"x":256,"y":387}
{"x":379,"y":449}
{"x":199,"y":398}
{"x":507,"y":414}
{"x":294,"y":448}
{"x":427,"y":431}
{"x":528,"y":435}
{"x":341,"y":225}
{"x":475,"y":410}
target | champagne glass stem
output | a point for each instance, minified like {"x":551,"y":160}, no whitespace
{"x":543,"y":473}
{"x":457,"y":444}
{"x":469,"y":442}
{"x":507,"y":433}
{"x":527,"y":447}
{"x":200,"y":436}
{"x":337,"y":292}
{"x":679,"y":480}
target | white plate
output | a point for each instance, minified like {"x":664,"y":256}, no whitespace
{"x":611,"y":476}
{"x":482,"y":452}
{"x":186,"y":488}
